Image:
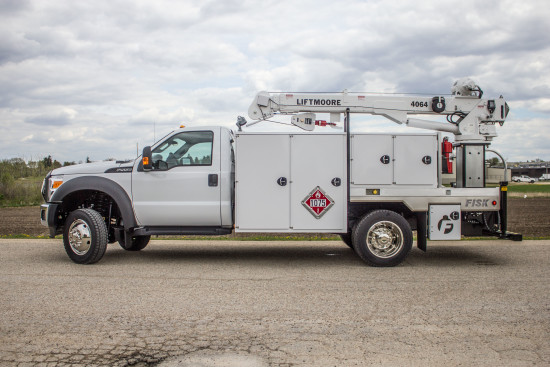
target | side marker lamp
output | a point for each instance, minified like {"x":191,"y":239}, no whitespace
{"x":56,"y":184}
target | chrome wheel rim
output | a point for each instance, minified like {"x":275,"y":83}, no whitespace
{"x":80,"y":237}
{"x":385,"y":239}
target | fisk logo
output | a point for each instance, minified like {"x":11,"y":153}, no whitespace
{"x":477,"y":203}
{"x":446,"y":223}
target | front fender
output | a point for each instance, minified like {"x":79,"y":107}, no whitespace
{"x":102,"y":184}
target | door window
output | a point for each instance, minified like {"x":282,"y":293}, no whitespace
{"x":184,"y":149}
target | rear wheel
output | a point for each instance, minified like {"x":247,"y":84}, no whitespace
{"x":138,"y":243}
{"x":85,"y":236}
{"x":382,"y":238}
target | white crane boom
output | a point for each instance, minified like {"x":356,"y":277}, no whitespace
{"x":471,"y":118}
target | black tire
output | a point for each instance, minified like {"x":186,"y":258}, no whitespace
{"x":346,"y":238}
{"x":382,"y":238}
{"x":138,"y":243}
{"x":85,"y":236}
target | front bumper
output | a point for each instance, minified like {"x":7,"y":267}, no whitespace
{"x":48,"y":217}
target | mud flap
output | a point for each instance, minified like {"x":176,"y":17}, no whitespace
{"x":123,"y":237}
{"x":421,"y":231}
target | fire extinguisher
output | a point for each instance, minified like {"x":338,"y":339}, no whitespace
{"x":446,"y":150}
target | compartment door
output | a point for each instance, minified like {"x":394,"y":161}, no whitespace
{"x":372,"y":159}
{"x":261,"y":202}
{"x":415,"y":160}
{"x":317,"y":160}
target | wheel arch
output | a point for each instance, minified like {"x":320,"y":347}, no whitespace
{"x":358,"y":210}
{"x":82,"y":186}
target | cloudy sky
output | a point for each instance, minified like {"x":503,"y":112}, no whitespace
{"x":96,"y":78}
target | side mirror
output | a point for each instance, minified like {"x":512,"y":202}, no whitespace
{"x":147,"y":159}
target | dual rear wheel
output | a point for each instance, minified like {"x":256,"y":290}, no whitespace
{"x":382,"y":238}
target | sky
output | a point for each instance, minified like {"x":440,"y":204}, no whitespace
{"x":101,"y":79}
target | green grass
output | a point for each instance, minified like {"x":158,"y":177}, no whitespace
{"x":254,"y":237}
{"x":529,"y":188}
{"x":258,"y":238}
{"x":26,"y":237}
{"x":21,"y":192}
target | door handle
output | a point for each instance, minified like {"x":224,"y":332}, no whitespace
{"x":213,"y":180}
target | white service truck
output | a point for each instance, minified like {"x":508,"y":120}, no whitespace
{"x":372,"y":189}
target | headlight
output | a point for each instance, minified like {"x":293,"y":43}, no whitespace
{"x":49,"y":186}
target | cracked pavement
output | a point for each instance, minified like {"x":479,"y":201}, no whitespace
{"x":230,"y":303}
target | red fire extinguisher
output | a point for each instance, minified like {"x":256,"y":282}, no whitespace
{"x":446,"y":150}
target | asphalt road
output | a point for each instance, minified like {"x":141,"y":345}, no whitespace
{"x":275,"y":304}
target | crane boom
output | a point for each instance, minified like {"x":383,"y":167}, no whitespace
{"x":471,"y":118}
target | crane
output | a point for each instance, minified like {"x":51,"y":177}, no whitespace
{"x":471,"y":118}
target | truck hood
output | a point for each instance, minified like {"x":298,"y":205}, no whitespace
{"x":91,"y":168}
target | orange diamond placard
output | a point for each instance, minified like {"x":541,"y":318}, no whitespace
{"x":317,"y":202}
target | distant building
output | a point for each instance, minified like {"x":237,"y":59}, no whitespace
{"x":531,"y":169}
{"x":493,"y":175}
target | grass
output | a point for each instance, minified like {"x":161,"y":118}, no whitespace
{"x":529,"y":188}
{"x":21,"y":192}
{"x":26,"y":237}
{"x":521,"y":189}
{"x":257,"y":238}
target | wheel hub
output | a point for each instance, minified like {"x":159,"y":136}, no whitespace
{"x":80,"y":237}
{"x":384,"y":239}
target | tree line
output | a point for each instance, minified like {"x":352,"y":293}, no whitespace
{"x":20,"y":181}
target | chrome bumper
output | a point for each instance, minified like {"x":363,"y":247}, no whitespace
{"x":48,"y":217}
{"x":44,"y":208}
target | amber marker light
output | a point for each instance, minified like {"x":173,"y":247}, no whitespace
{"x":145,"y":161}
{"x":56,"y":184}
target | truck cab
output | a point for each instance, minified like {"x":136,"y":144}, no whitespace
{"x":189,"y":189}
{"x":189,"y":183}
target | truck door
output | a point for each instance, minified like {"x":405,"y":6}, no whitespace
{"x":183,"y":189}
{"x":263,"y":182}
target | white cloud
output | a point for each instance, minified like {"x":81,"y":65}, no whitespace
{"x":95,"y":78}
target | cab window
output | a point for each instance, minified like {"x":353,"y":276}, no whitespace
{"x":184,"y":149}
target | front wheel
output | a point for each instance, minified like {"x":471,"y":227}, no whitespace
{"x":85,"y":236}
{"x":382,"y":238}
